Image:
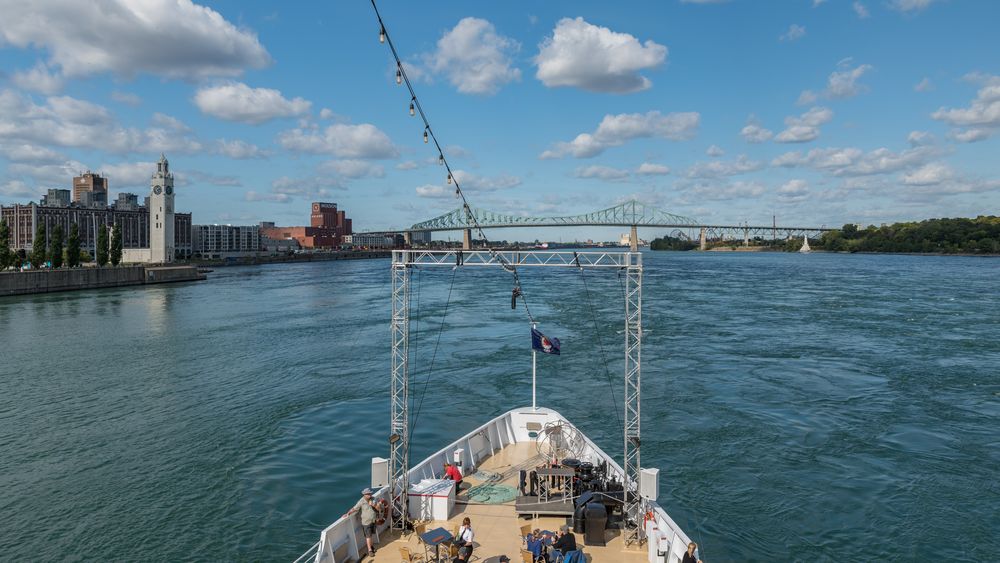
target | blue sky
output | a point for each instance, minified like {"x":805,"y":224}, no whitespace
{"x":819,"y":112}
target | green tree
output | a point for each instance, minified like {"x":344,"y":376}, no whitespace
{"x":116,"y":245}
{"x":73,"y":247}
{"x":6,"y":256}
{"x":18,"y":258}
{"x":38,"y":248}
{"x":56,"y":247}
{"x":102,"y":246}
{"x":85,"y":257}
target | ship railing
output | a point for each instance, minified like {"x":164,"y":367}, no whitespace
{"x":309,"y":555}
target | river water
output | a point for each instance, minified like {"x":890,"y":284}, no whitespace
{"x":804,"y":408}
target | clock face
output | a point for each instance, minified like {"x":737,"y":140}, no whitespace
{"x":170,"y":190}
{"x":157,"y":190}
{"x":315,"y":207}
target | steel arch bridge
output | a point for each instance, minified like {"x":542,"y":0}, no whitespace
{"x":630,"y":213}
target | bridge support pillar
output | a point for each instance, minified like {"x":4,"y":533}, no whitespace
{"x":634,"y":240}
{"x":408,"y":238}
{"x":746,"y":237}
{"x":702,"y":241}
{"x":467,"y":239}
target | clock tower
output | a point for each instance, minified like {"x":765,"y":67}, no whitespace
{"x":161,"y":213}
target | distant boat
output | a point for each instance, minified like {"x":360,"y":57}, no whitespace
{"x":805,"y":245}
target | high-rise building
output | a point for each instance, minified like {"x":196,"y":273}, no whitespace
{"x":56,"y":198}
{"x":94,"y":184}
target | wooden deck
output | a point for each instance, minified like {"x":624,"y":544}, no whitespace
{"x":497,"y":527}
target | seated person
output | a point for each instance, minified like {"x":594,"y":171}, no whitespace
{"x":453,"y":473}
{"x":565,"y":543}
{"x":535,"y":544}
{"x":464,"y":540}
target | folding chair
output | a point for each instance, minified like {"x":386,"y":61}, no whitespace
{"x":407,"y":557}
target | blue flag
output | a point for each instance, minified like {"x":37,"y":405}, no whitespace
{"x":543,"y":343}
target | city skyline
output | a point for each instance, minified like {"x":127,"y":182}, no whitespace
{"x":820,"y":112}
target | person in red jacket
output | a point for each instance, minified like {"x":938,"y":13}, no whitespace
{"x":453,"y":473}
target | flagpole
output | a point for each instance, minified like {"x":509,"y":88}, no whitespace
{"x":534,"y":406}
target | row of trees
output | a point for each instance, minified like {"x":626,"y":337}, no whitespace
{"x":947,"y":236}
{"x":59,"y":250}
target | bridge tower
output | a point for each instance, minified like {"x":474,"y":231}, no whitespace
{"x":466,"y":239}
{"x":702,"y":241}
{"x":634,"y":240}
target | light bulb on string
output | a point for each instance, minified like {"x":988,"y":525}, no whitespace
{"x":381,"y":35}
{"x":441,"y":159}
{"x":449,"y":178}
{"x":399,"y":76}
{"x":412,"y":109}
{"x":425,"y":134}
{"x":458,"y":192}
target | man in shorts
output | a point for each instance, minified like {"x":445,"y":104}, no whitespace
{"x":368,"y":517}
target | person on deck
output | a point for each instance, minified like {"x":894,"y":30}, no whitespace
{"x":368,"y":517}
{"x":690,"y":556}
{"x":464,"y":540}
{"x":565,"y":544}
{"x":453,"y":473}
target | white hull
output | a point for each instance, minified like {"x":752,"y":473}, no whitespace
{"x":343,"y":540}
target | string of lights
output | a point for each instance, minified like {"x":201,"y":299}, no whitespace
{"x":417,"y":108}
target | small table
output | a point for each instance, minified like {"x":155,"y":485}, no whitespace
{"x":434,"y":538}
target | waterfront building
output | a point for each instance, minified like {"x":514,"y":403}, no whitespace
{"x":56,"y":198}
{"x":376,"y":240}
{"x":90,"y":190}
{"x":226,"y":241}
{"x":133,"y":220}
{"x":328,"y":225}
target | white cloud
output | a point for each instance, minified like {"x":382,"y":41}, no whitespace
{"x":270,"y":198}
{"x":929,"y":174}
{"x":982,"y":117}
{"x":806,"y":97}
{"x":353,"y":168}
{"x":172,"y":38}
{"x":855,"y":162}
{"x":723,"y":191}
{"x":715,"y":150}
{"x":436,"y":192}
{"x":971,"y":135}
{"x":340,"y":140}
{"x":24,"y":152}
{"x":795,"y":32}
{"x":39,"y":79}
{"x":602,"y":173}
{"x":594,"y":58}
{"x":793,"y":191}
{"x":198,"y":177}
{"x":326,"y":113}
{"x":616,"y":130}
{"x":236,"y":101}
{"x":408,"y":165}
{"x":923,"y":86}
{"x":753,"y":132}
{"x":704,"y":1}
{"x":920,"y":138}
{"x":475,"y":183}
{"x":238,"y":149}
{"x":126,"y":98}
{"x":650,"y":169}
{"x":909,"y":5}
{"x":169,"y":122}
{"x":128,"y":174}
{"x":861,"y":10}
{"x":817,"y":3}
{"x":805,"y":127}
{"x":19,"y":189}
{"x":306,"y":188}
{"x":474,"y":58}
{"x":844,"y":84}
{"x":721,"y":168}
{"x":69,"y":122}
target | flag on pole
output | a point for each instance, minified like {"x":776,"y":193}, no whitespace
{"x":543,"y":343}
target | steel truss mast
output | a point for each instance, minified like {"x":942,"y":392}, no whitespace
{"x":630,"y":263}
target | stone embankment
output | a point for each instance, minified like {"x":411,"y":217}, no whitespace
{"x":49,"y":281}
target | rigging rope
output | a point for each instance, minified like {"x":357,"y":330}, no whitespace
{"x":416,"y":107}
{"x":430,"y":370}
{"x":600,"y":342}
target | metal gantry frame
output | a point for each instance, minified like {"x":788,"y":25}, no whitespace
{"x":399,"y":439}
{"x":634,"y":504}
{"x":399,"y":425}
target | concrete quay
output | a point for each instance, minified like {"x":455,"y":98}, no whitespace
{"x":50,"y":281}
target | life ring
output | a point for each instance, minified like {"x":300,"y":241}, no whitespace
{"x":382,"y":509}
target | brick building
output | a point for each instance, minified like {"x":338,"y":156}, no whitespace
{"x":328,"y":225}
